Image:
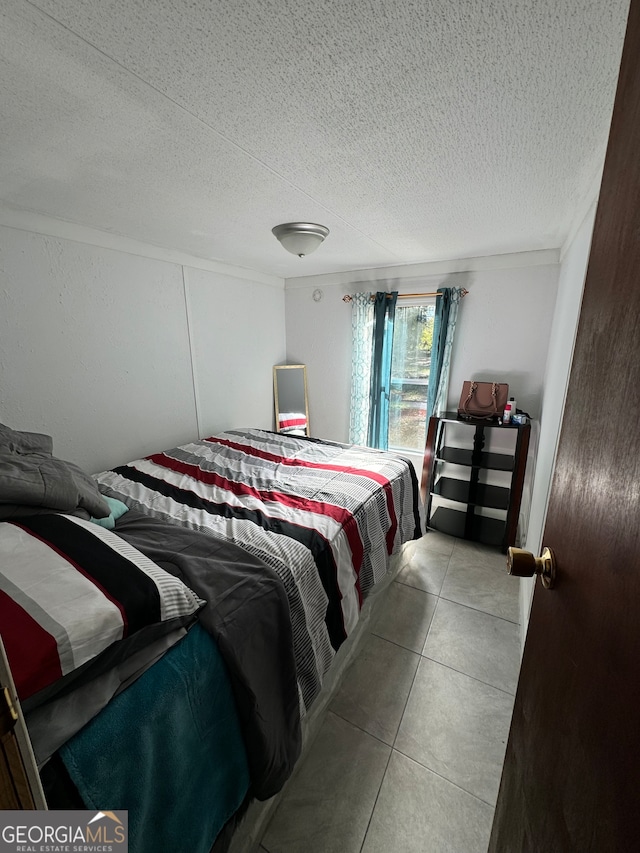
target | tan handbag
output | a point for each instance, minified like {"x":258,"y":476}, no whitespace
{"x":483,"y":400}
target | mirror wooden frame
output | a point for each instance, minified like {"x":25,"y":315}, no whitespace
{"x":301,"y":406}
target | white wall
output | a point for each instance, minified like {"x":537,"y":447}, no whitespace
{"x":503,"y":328}
{"x":96,"y":347}
{"x":319,"y":335}
{"x":503,"y":331}
{"x":563,"y":332}
{"x":237,"y":336}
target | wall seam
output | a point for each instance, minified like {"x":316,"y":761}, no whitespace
{"x":187,"y":310}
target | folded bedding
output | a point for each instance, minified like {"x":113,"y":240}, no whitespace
{"x":51,"y":724}
{"x":33,"y":481}
{"x":85,"y":611}
{"x":292,"y":423}
{"x":71,"y":592}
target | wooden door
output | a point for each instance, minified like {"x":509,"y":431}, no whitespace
{"x":571,"y":780}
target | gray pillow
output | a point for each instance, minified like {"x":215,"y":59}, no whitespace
{"x":31,"y":477}
{"x":25,"y":442}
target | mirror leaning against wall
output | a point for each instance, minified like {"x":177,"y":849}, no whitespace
{"x":291,"y":399}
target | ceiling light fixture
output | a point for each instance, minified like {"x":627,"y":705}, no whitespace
{"x":300,"y":238}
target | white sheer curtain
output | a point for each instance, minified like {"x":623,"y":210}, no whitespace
{"x":362,"y":318}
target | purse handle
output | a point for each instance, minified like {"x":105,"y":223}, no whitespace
{"x":494,"y":395}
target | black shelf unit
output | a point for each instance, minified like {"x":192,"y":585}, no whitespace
{"x":466,"y":489}
{"x":459,"y":456}
{"x":495,"y":497}
{"x":489,"y":531}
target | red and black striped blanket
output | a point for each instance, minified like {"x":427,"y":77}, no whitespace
{"x":326,"y":517}
{"x":71,"y":591}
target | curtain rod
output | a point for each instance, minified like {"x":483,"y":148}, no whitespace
{"x":348,"y":298}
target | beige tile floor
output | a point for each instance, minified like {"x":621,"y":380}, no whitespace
{"x":409,"y":756}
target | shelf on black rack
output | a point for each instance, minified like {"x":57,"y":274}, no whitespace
{"x":460,"y":456}
{"x":466,"y":486}
{"x":490,"y":531}
{"x":496,"y":497}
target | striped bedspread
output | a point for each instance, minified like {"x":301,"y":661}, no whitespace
{"x":325,"y":516}
{"x":71,"y":590}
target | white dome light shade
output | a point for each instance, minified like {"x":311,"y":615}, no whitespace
{"x":300,"y":238}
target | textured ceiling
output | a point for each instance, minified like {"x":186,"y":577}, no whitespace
{"x":416,"y":130}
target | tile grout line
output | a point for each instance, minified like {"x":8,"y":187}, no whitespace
{"x":453,"y":601}
{"x":444,"y":778}
{"x":418,"y":588}
{"x":415,"y":675}
{"x":439,"y":593}
{"x":422,"y":655}
{"x":426,"y":656}
{"x":479,"y":610}
{"x":375,"y":802}
{"x":392,"y":750}
{"x":466,"y":674}
{"x":452,"y":669}
{"x":395,"y":643}
{"x":404,"y":710}
{"x":360,"y":729}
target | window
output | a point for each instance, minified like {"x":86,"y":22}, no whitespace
{"x":410,"y":364}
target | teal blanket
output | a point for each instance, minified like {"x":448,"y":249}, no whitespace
{"x":169,"y":750}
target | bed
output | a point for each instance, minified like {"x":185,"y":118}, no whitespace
{"x":278,"y":542}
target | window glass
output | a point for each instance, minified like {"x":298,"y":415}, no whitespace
{"x":410,"y":363}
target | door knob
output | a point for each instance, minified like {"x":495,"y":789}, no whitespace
{"x":523,"y":564}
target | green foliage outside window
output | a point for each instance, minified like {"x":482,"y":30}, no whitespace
{"x":411,"y":361}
